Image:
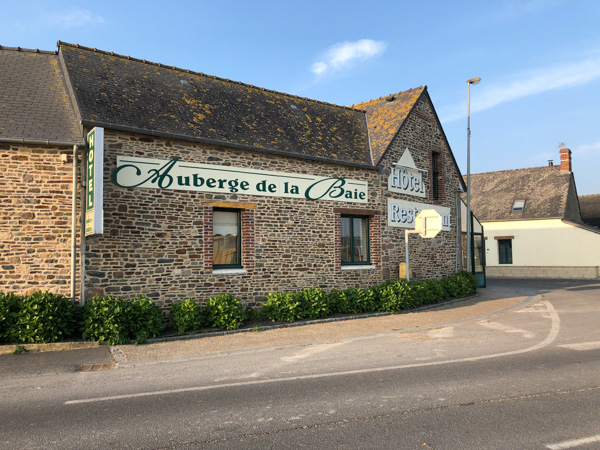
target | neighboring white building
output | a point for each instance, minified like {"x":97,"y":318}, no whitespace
{"x":533,"y":225}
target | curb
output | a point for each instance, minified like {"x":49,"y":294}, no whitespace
{"x":303,"y":322}
{"x":52,"y":347}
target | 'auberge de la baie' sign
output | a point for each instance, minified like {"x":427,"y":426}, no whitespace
{"x":134,"y":172}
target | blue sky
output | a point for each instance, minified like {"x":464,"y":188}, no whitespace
{"x":539,"y":60}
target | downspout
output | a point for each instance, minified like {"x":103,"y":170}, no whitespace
{"x":74,"y":226}
{"x":82,"y":233}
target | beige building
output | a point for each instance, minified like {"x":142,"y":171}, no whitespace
{"x":533,"y":224}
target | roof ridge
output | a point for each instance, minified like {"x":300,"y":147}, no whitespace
{"x":59,"y":43}
{"x":385,"y":97}
{"x":589,"y":195}
{"x":29,"y":50}
{"x":513,"y":170}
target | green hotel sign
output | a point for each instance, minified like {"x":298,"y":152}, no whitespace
{"x":94,"y":182}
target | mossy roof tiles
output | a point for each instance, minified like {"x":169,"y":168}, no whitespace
{"x":131,"y":93}
{"x":34,"y":104}
{"x":544,"y":189}
{"x":385,"y":117}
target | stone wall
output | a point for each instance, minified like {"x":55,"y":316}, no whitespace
{"x":555,"y":272}
{"x":35,"y":219}
{"x":429,"y":258}
{"x":159,"y":242}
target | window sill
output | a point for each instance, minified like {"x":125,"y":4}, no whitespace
{"x":228,"y":271}
{"x":359,"y":267}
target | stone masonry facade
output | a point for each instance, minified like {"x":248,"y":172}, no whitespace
{"x":429,"y":258}
{"x":35,"y":219}
{"x":159,"y":242}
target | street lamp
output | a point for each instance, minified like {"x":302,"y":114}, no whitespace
{"x":469,"y":225}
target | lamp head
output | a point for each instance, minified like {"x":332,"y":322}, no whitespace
{"x":474,"y":80}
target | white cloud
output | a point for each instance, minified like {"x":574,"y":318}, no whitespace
{"x":73,"y":18}
{"x":510,"y":11}
{"x":344,"y":55}
{"x":568,"y":74}
{"x":589,"y":149}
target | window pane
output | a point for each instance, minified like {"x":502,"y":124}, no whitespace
{"x":346,"y":240}
{"x":478,"y":251}
{"x":505,"y":251}
{"x":225,"y":237}
{"x":360,"y":239}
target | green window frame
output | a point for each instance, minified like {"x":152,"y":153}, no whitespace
{"x":227,"y":238}
{"x":355,"y":245}
{"x":505,"y":251}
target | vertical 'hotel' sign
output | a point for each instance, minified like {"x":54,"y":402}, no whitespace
{"x":94,"y":213}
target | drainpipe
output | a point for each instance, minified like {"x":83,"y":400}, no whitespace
{"x":82,"y":233}
{"x":74,"y":226}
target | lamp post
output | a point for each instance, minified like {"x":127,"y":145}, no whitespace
{"x":469,"y":231}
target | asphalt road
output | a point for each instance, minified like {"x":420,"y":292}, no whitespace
{"x":527,"y":376}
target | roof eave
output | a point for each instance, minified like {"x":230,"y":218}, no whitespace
{"x":181,"y":137}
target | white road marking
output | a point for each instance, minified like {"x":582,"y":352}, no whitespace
{"x":312,"y":350}
{"x":582,"y":346}
{"x":441,"y":333}
{"x":552,"y":334}
{"x":506,"y":328}
{"x":574,"y":443}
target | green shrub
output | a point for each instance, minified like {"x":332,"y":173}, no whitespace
{"x":314,"y":303}
{"x":105,"y":320}
{"x":144,"y":320}
{"x":117,"y":321}
{"x":282,"y":307}
{"x":253,"y":315}
{"x":428,"y":292}
{"x":469,"y":282}
{"x":224,"y":311}
{"x":10,"y":304}
{"x":460,"y":284}
{"x":43,"y":317}
{"x":394,"y":295}
{"x":353,"y":301}
{"x":186,"y":315}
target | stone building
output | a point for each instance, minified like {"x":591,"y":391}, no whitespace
{"x":211,"y":186}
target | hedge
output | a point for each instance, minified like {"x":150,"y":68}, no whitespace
{"x":46,"y":317}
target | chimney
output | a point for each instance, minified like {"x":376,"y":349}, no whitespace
{"x":565,"y":160}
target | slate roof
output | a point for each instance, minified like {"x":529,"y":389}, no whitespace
{"x":548,"y":193}
{"x":590,"y":209}
{"x":34,"y":105}
{"x":385,"y":117}
{"x":119,"y":91}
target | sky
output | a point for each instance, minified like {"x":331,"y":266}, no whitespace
{"x":539,"y":60}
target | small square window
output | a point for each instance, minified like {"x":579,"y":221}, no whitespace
{"x":518,"y":205}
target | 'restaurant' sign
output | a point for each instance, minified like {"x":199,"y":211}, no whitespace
{"x":134,"y":172}
{"x":402,"y":213}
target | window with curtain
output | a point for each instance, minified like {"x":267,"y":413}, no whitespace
{"x":226,"y":239}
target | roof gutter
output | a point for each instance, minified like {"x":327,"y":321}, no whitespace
{"x":53,"y":143}
{"x":91,"y":124}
